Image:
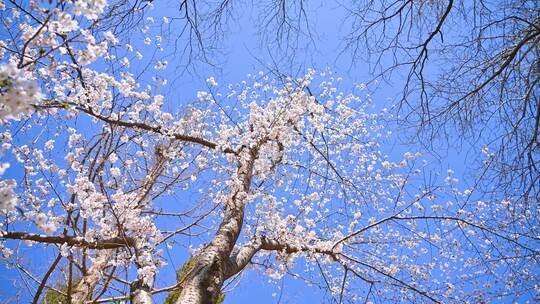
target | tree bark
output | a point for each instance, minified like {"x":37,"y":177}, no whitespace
{"x":141,"y":293}
{"x":203,"y":284}
{"x":86,"y":286}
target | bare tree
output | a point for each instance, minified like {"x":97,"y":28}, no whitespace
{"x":471,"y":67}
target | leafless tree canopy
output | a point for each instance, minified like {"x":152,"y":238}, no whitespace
{"x":470,"y":66}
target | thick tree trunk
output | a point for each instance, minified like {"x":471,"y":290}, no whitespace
{"x":204,"y":282}
{"x":203,"y":285}
{"x":140,"y":293}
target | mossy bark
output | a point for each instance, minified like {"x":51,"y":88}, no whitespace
{"x":181,"y":276}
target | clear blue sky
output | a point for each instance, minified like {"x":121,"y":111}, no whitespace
{"x":242,"y":53}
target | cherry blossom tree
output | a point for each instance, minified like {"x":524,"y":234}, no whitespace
{"x":271,"y":174}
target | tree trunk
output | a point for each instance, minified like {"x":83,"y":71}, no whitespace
{"x":203,"y":284}
{"x":85,"y":287}
{"x":141,"y":293}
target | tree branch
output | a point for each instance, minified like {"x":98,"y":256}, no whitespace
{"x":111,"y":243}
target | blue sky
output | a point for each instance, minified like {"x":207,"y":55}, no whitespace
{"x":242,"y":52}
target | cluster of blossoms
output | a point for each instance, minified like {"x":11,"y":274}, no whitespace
{"x":8,"y":197}
{"x":18,"y":92}
{"x":91,"y":9}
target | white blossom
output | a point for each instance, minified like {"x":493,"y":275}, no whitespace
{"x":18,"y":92}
